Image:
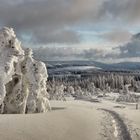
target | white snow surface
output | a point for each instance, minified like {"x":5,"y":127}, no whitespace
{"x":22,"y":79}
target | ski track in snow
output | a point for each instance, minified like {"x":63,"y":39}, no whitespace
{"x":121,"y":131}
{"x":115,"y":128}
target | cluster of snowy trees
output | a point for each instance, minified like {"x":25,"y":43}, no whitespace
{"x":97,"y":85}
{"x":128,"y":98}
{"x":59,"y":90}
{"x":22,"y":78}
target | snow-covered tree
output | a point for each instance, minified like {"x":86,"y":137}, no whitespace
{"x":91,"y":88}
{"x":70,"y":90}
{"x":22,"y":79}
{"x":126,"y":89}
{"x":79,"y":91}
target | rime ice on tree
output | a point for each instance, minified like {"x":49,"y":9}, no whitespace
{"x":22,"y":79}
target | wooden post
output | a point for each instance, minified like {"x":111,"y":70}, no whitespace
{"x":137,"y":107}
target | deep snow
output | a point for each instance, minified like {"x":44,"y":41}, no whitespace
{"x":69,"y":120}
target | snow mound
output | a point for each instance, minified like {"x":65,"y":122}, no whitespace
{"x":22,"y":79}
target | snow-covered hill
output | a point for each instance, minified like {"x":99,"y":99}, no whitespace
{"x":119,"y":66}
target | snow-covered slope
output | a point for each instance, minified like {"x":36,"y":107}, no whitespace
{"x":22,"y":79}
{"x":71,"y":120}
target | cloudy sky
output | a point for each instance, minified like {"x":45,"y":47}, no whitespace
{"x":102,"y":30}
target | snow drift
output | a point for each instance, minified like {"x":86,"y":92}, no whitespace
{"x":22,"y":79}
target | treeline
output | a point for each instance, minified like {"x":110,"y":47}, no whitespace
{"x":115,"y":82}
{"x":97,"y":85}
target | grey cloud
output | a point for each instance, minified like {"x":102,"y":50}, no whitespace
{"x":128,"y":51}
{"x":131,"y":49}
{"x":126,"y":10}
{"x":93,"y":54}
{"x":117,"y":35}
{"x":55,"y":53}
{"x":60,"y":37}
{"x":66,"y":53}
{"x":48,"y":20}
{"x":32,"y":16}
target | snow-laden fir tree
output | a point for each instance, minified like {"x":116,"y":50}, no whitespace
{"x":22,"y":79}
